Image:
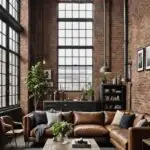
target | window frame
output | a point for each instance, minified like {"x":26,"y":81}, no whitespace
{"x":10,"y":22}
{"x":79,"y":20}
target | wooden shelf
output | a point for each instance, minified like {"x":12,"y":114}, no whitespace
{"x":113,"y":97}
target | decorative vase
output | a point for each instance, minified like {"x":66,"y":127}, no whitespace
{"x":59,"y":138}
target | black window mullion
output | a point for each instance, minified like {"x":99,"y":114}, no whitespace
{"x":7,"y":66}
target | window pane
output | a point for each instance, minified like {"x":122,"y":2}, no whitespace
{"x":61,"y":41}
{"x":61,"y":33}
{"x":68,"y":52}
{"x":61,"y":14}
{"x":82,"y":6}
{"x":61,"y":6}
{"x":68,"y":14}
{"x":61,"y":61}
{"x":61,"y":25}
{"x":61,"y":52}
{"x":68,"y":33}
{"x":82,"y":14}
{"x":68,"y":25}
{"x":89,"y":7}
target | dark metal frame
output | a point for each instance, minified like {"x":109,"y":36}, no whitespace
{"x":6,"y":17}
{"x":75,"y":47}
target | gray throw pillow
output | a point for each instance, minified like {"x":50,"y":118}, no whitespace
{"x":53,"y":117}
{"x":142,"y":123}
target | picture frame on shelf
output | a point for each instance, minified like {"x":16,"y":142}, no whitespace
{"x":147,"y":58}
{"x":140,"y":60}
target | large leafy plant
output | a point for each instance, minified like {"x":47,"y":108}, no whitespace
{"x":37,"y":83}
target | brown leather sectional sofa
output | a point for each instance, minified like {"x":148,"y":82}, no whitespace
{"x":96,"y":125}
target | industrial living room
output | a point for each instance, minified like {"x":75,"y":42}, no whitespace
{"x":74,"y":74}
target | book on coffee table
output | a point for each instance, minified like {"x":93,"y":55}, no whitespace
{"x":84,"y":144}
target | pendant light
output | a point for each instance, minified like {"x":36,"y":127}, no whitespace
{"x":105,"y":67}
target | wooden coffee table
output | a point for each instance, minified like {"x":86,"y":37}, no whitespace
{"x":51,"y":145}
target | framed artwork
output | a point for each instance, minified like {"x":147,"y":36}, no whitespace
{"x":147,"y":57}
{"x":49,"y":73}
{"x":140,"y":60}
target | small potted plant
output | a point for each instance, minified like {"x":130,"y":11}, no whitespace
{"x":104,"y":78}
{"x":60,"y":130}
{"x":90,"y":92}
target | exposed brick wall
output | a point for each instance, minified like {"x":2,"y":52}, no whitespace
{"x":139,"y":36}
{"x":117,"y":34}
{"x":24,"y":49}
{"x":44,"y":36}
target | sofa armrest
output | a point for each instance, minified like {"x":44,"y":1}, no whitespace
{"x":135,"y":137}
{"x":28,"y":125}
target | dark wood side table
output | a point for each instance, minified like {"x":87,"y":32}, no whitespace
{"x":146,"y":144}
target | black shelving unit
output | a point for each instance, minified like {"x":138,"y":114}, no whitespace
{"x":112,"y":97}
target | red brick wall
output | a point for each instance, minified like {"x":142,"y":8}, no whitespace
{"x":139,"y":36}
{"x":24,"y":50}
{"x":42,"y":27}
{"x":44,"y":36}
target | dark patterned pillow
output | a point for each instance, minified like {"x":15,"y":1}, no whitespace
{"x":40,"y":117}
{"x":127,"y":121}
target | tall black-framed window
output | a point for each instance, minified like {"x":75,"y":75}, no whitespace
{"x":9,"y":54}
{"x":75,"y":45}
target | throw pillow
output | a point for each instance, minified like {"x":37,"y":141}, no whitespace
{"x":127,"y":121}
{"x":117,"y":118}
{"x":142,"y":123}
{"x":53,"y":117}
{"x":138,"y":117}
{"x":40,"y":117}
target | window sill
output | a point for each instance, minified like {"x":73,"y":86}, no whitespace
{"x":10,"y":108}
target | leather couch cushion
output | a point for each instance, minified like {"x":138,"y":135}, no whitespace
{"x":138,"y":117}
{"x":89,"y":118}
{"x":67,"y":116}
{"x":120,"y":136}
{"x":109,"y":116}
{"x":112,"y":127}
{"x":90,"y":130}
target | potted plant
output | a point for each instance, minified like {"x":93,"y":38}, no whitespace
{"x":90,"y":92}
{"x":104,"y":78}
{"x":60,"y":130}
{"x":37,"y":83}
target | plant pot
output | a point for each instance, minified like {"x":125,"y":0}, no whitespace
{"x":59,"y":138}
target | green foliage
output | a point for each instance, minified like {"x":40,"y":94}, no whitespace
{"x":61,"y":127}
{"x":104,"y":78}
{"x":90,"y":91}
{"x":37,"y":82}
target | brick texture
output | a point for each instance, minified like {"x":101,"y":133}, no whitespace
{"x":24,"y":50}
{"x":44,"y":38}
{"x":139,"y":37}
